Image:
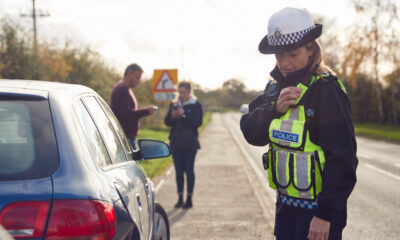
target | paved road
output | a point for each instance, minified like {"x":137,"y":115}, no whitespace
{"x":232,"y":202}
{"x":226,"y":203}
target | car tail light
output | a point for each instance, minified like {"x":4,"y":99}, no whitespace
{"x":69,"y":219}
{"x":25,"y":219}
{"x":81,"y":219}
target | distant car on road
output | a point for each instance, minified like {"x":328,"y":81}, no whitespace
{"x":244,"y":108}
{"x":67,"y":170}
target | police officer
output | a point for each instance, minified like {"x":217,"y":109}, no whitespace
{"x":304,"y":117}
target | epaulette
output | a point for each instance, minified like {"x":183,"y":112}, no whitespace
{"x":270,"y":82}
{"x":329,"y":77}
{"x":333,"y":78}
{"x":272,"y":88}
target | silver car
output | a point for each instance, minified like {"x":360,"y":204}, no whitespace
{"x":67,"y":170}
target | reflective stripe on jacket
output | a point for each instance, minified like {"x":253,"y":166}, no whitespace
{"x":295,"y":163}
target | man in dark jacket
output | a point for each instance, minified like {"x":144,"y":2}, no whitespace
{"x":124,"y":103}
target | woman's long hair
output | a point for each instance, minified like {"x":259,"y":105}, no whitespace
{"x":316,"y":61}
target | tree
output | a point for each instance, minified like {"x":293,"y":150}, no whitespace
{"x":393,"y":81}
{"x":70,"y":64}
{"x":233,"y":93}
{"x":16,"y":56}
{"x":329,"y":42}
{"x":370,"y":39}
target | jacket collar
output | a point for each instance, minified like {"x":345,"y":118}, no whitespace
{"x":192,"y":100}
{"x":293,"y":78}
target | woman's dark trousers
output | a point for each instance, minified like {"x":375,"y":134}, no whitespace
{"x":184,"y":162}
{"x":293,"y":223}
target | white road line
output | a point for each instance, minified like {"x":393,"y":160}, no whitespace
{"x":260,"y":174}
{"x":267,"y":211}
{"x":364,"y":156}
{"x":169,"y":171}
{"x":383,"y":171}
{"x":159,"y":185}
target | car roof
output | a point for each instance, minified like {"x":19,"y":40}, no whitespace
{"x":40,"y":88}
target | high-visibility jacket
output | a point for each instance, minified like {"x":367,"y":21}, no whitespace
{"x":295,"y":163}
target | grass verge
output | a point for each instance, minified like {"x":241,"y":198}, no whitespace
{"x":382,"y":132}
{"x":155,"y":167}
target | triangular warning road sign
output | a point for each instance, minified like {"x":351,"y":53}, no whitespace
{"x":165,"y":83}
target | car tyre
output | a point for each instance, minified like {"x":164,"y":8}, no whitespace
{"x":161,"y":224}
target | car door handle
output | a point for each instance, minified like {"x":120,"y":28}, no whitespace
{"x":147,"y":186}
{"x":139,"y":202}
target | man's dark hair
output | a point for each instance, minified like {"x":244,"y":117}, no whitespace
{"x":131,"y":68}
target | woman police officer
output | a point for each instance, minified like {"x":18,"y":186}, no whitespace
{"x":304,"y":117}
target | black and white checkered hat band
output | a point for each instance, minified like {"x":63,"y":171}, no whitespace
{"x":278,"y":39}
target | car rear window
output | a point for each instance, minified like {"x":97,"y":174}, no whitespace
{"x":28,"y":148}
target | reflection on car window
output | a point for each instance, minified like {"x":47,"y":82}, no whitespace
{"x":106,"y":129}
{"x":116,"y":125}
{"x":95,"y":145}
{"x":17,"y":151}
{"x":28,"y":147}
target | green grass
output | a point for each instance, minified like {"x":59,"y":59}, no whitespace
{"x":155,"y":167}
{"x":206,"y":120}
{"x":376,"y":131}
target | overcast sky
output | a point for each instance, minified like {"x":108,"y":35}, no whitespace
{"x":209,"y":41}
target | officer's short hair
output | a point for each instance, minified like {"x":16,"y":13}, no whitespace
{"x":131,"y":68}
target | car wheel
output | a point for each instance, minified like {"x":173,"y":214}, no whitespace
{"x":161,"y":224}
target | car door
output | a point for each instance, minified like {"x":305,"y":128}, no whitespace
{"x":130,"y":180}
{"x":146,"y":198}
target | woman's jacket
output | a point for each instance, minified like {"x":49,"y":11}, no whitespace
{"x":192,"y":119}
{"x":330,"y":127}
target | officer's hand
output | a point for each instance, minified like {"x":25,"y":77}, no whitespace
{"x":319,"y":229}
{"x":152,"y":109}
{"x":287,"y":97}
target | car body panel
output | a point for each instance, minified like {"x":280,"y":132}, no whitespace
{"x":78,"y":176}
{"x":16,"y":191}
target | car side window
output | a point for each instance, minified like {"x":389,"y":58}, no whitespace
{"x":106,"y":129}
{"x":117,"y":126}
{"x":96,"y":146}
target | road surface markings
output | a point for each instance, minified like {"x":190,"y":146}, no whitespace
{"x":159,"y":185}
{"x":383,"y":171}
{"x":260,"y":173}
{"x":169,"y":171}
{"x":267,"y":211}
{"x":364,"y":156}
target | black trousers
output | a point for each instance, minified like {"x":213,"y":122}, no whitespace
{"x":293,"y":223}
{"x":184,"y":163}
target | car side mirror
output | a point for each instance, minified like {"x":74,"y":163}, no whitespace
{"x":150,"y":149}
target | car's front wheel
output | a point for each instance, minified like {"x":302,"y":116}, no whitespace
{"x":161,"y":224}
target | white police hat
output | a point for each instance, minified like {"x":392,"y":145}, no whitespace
{"x":288,"y":29}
